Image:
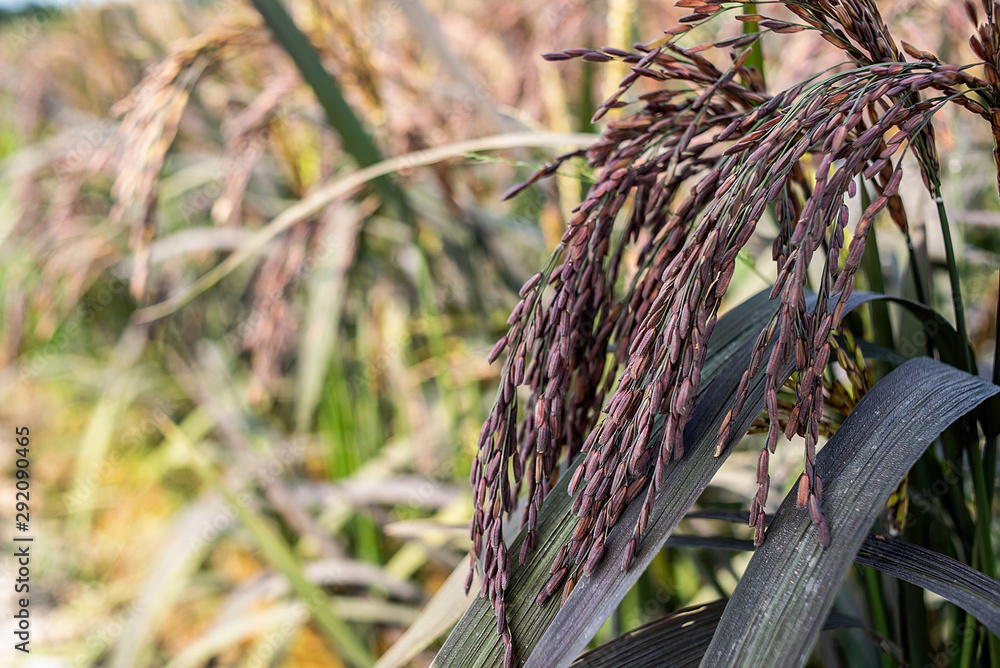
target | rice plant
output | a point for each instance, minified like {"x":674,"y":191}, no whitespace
{"x":254,"y":257}
{"x":608,"y":376}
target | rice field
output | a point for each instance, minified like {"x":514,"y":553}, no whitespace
{"x":253,"y":276}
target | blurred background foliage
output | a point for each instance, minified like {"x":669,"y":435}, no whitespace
{"x":272,"y":471}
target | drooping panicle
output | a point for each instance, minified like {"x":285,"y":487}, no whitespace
{"x":609,"y":340}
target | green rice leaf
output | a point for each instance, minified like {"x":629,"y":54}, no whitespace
{"x":788,"y":588}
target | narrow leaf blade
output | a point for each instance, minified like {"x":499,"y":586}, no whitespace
{"x":788,"y":588}
{"x":678,"y":640}
{"x":949,"y":578}
{"x":959,"y":583}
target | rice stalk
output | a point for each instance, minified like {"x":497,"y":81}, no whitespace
{"x":684,"y":180}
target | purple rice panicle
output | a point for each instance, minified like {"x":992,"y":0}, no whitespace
{"x":684,"y":179}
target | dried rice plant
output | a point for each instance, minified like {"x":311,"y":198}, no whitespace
{"x":151,"y":117}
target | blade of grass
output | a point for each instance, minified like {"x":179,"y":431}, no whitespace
{"x":788,"y":587}
{"x":326,"y":290}
{"x":956,"y":285}
{"x":871,"y":266}
{"x":756,"y":57}
{"x":342,"y":638}
{"x":937,"y":573}
{"x":243,"y":628}
{"x":180,"y":555}
{"x":348,"y":420}
{"x":440,"y":613}
{"x":353,"y":135}
{"x":678,"y":640}
{"x":949,"y":578}
{"x":232,"y":427}
{"x":344,"y":186}
{"x":101,"y":428}
{"x":348,"y":573}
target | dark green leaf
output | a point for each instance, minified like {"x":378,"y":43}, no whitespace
{"x":353,"y":135}
{"x":678,"y":640}
{"x":951,"y":579}
{"x":788,"y":588}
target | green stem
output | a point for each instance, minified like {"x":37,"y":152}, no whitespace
{"x":353,"y":136}
{"x":912,"y":609}
{"x":913,"y":623}
{"x":996,"y":346}
{"x":756,"y":57}
{"x":954,"y":497}
{"x":983,"y":514}
{"x":990,"y":467}
{"x":918,"y":279}
{"x":982,"y":550}
{"x":871,"y":267}
{"x":968,"y":642}
{"x":990,"y":457}
{"x":956,"y":286}
{"x":876,"y":601}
